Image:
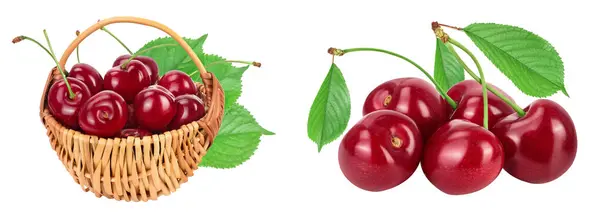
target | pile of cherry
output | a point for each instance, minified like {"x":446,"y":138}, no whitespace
{"x":406,"y":123}
{"x":130,"y":100}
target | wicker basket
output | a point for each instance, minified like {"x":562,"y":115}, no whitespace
{"x":133,"y":168}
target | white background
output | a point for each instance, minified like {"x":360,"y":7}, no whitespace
{"x":287,"y":176}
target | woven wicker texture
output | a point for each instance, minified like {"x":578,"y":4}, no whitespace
{"x":134,"y":168}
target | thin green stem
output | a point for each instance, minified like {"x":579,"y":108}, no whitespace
{"x":133,"y":56}
{"x":77,"y":50}
{"x":437,"y":86}
{"x":62,"y":72}
{"x":503,"y":97}
{"x":253,"y":63}
{"x":118,"y":40}
{"x":482,"y":79}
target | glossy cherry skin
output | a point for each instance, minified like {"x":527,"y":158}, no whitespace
{"x":88,"y":75}
{"x":104,"y":114}
{"x":154,"y":108}
{"x":134,"y":132}
{"x":149,"y":62}
{"x":178,"y":83}
{"x":189,"y":108}
{"x":462,"y":157}
{"x":413,"y":97}
{"x":468,"y":95}
{"x":62,"y":107}
{"x":129,"y":81}
{"x":381,"y":151}
{"x":540,"y":146}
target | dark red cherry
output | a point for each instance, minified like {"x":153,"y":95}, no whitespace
{"x":462,"y":157}
{"x":469,"y":99}
{"x":129,"y":81}
{"x":154,"y":108}
{"x":149,"y":62}
{"x":540,"y":146}
{"x":189,"y":108}
{"x":134,"y":132}
{"x":62,"y":107}
{"x":89,"y":75}
{"x":414,"y":97}
{"x":381,"y":151}
{"x":178,"y":83}
{"x":104,"y":114}
{"x":131,"y":122}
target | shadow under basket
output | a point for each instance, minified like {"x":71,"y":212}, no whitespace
{"x":135,"y":168}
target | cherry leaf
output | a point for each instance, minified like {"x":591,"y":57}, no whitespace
{"x":171,"y":57}
{"x":525,"y":58}
{"x":236,"y":141}
{"x":330,"y":111}
{"x":447,"y":70}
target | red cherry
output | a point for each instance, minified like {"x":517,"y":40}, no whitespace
{"x":381,"y":151}
{"x":462,"y":157}
{"x":154,"y":108}
{"x":178,"y":83}
{"x":540,"y":146}
{"x":149,"y":62}
{"x":62,"y":107}
{"x":468,"y":95}
{"x":131,"y":122}
{"x":134,"y":132}
{"x":127,"y":82}
{"x":414,"y":97}
{"x":104,"y":114}
{"x":189,"y":108}
{"x":89,"y":75}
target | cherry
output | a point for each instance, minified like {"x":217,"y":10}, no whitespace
{"x":468,"y":95}
{"x":381,"y":151}
{"x":64,"y":108}
{"x":540,"y":146}
{"x":134,"y":132}
{"x":128,"y":80}
{"x":189,"y":108}
{"x":149,"y":62}
{"x":462,"y":157}
{"x":131,"y":122}
{"x":413,"y":97}
{"x":104,"y":114}
{"x":89,"y":75}
{"x":178,"y":83}
{"x":154,"y":108}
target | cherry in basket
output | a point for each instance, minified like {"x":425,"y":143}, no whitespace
{"x":65,"y":97}
{"x":128,"y":79}
{"x":154,"y":108}
{"x":178,"y":83}
{"x":104,"y":114}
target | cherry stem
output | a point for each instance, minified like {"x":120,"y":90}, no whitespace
{"x":62,"y":72}
{"x":339,"y":52}
{"x":253,"y":63}
{"x":482,"y":79}
{"x":77,"y":50}
{"x":118,"y":40}
{"x":503,"y":97}
{"x":135,"y":55}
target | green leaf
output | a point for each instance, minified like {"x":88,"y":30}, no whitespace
{"x":172,"y":57}
{"x":528,"y":60}
{"x":330,"y":111}
{"x":447,"y":71}
{"x":236,"y":141}
{"x":228,"y":75}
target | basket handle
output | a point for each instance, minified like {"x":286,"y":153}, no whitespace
{"x":124,"y":19}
